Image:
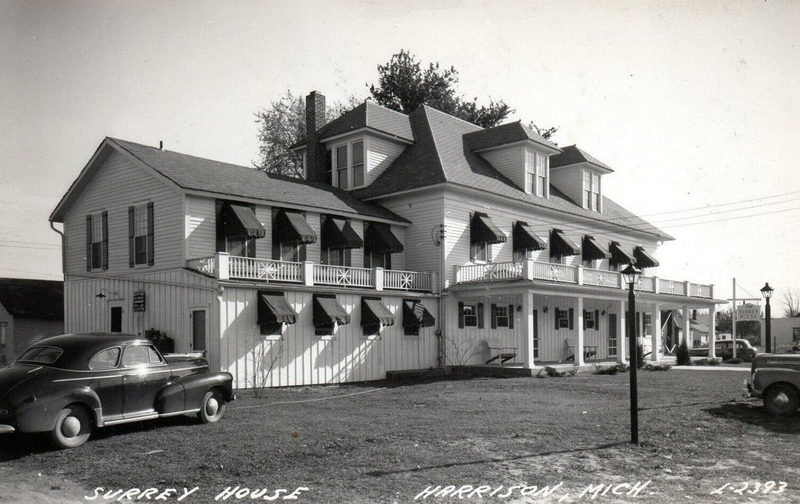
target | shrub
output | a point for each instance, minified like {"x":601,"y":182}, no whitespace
{"x":737,"y":360}
{"x":606,"y":370}
{"x":639,"y":355}
{"x":553,"y":372}
{"x":708,"y":362}
{"x":572,"y":372}
{"x":657,"y":367}
{"x":682,"y":355}
{"x":622,"y":367}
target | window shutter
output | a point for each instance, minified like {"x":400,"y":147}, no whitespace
{"x":584,"y":319}
{"x":460,"y":315}
{"x":597,"y":320}
{"x":480,"y":315}
{"x":151,"y":229}
{"x":511,"y":316}
{"x":571,"y":318}
{"x":494,"y":316}
{"x":105,"y":240}
{"x":130,"y":237}
{"x":88,"y":243}
{"x":555,"y":312}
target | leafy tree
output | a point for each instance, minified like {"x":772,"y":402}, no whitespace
{"x":281,"y":125}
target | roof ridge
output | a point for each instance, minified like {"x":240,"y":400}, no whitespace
{"x":435,"y":142}
{"x":369,"y":101}
{"x":454,"y":117}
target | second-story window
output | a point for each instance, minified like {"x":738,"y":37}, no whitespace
{"x":379,"y":245}
{"x":141,"y":227}
{"x":290,"y":234}
{"x":338,"y":239}
{"x":358,"y":163}
{"x":341,"y":166}
{"x":97,"y":241}
{"x":536,"y":173}
{"x":237,"y":229}
{"x":591,"y":191}
{"x":482,"y":234}
{"x":350,"y":168}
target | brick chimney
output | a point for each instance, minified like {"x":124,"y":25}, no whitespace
{"x":315,"y":151}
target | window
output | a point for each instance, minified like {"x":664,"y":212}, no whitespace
{"x":480,"y":251}
{"x":140,"y":355}
{"x":41,"y":355}
{"x":536,"y":173}
{"x":541,"y":175}
{"x":612,"y":343}
{"x":293,"y":251}
{"x":329,"y":166}
{"x":588,"y":320}
{"x":501,"y":316}
{"x":562,"y":319}
{"x":231,"y":237}
{"x":358,"y":164}
{"x":335,"y":256}
{"x":97,"y":241}
{"x":341,"y":166}
{"x":378,"y":260}
{"x":591,"y":191}
{"x":469,"y":313}
{"x":530,"y":170}
{"x":140,"y":235}
{"x":106,"y":359}
{"x":648,"y":324}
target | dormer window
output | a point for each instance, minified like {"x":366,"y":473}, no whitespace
{"x":350,"y":165}
{"x":536,"y":173}
{"x":591,"y":191}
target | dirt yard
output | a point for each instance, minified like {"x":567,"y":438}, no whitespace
{"x":491,"y":440}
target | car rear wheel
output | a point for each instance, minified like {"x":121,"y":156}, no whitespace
{"x":781,"y":400}
{"x":213,"y":407}
{"x":73,"y":427}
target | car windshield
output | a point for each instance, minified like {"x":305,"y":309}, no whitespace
{"x":41,"y":355}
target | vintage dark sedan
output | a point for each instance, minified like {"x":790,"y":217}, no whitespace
{"x":70,"y":384}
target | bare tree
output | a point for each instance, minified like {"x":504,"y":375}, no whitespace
{"x":791,"y":303}
{"x":263,"y":355}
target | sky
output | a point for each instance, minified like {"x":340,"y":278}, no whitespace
{"x":695,"y":105}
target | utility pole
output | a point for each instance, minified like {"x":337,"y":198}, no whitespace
{"x":733,"y":318}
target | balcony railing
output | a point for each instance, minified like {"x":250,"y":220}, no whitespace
{"x":576,"y":275}
{"x":224,"y":267}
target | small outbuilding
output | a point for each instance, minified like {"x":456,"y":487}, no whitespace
{"x":29,"y":311}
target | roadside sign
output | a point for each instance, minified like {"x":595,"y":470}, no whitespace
{"x":138,"y":301}
{"x":748,"y":311}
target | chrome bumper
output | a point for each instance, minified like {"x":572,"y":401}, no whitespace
{"x":7,"y":429}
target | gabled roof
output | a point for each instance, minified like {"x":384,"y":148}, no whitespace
{"x":504,"y":134}
{"x":371,"y":116}
{"x":571,"y":154}
{"x":441,"y":154}
{"x":231,"y":181}
{"x":33,"y":299}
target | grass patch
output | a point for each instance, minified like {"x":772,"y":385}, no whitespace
{"x":708,"y":361}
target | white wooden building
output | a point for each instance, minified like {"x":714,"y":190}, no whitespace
{"x":415,"y":241}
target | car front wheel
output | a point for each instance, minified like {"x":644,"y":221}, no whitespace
{"x":73,"y":427}
{"x":781,"y":400}
{"x":213,"y":407}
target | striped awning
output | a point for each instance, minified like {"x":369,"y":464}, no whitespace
{"x":561,"y":246}
{"x":292,"y":227}
{"x":526,"y":239}
{"x":592,"y":250}
{"x":273,"y":308}
{"x":482,"y":229}
{"x":379,"y":238}
{"x":327,"y":311}
{"x":643,"y":259}
{"x":338,"y":233}
{"x":373,"y":312}
{"x":415,"y":314}
{"x":241,"y":222}
{"x":618,"y":255}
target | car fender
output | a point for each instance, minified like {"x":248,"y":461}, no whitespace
{"x":172,"y":398}
{"x":764,"y":377}
{"x":197,"y":385}
{"x":38,"y":413}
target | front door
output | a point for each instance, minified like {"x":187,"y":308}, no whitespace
{"x":115,"y":317}
{"x":144,"y":374}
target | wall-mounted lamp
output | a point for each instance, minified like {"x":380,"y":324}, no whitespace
{"x":603,"y":313}
{"x":104,"y":294}
{"x":544,"y":309}
{"x":519,"y":308}
{"x":100,"y":295}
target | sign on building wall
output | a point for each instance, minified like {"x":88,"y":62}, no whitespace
{"x":138,"y":301}
{"x":748,"y":311}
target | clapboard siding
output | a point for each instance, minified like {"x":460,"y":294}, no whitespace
{"x":302,"y":358}
{"x":264,"y":245}
{"x":509,"y":161}
{"x":169,"y":297}
{"x":381,"y":153}
{"x":201,"y":227}
{"x":569,"y":180}
{"x":116,"y":185}
{"x":425,"y":213}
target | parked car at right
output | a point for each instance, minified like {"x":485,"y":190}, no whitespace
{"x":775,"y":378}
{"x":724,"y":350}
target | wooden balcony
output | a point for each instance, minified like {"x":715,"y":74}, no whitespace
{"x":576,"y":275}
{"x":227,"y":267}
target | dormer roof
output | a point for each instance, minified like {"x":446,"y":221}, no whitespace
{"x":505,"y":134}
{"x":571,"y":154}
{"x":369,"y":116}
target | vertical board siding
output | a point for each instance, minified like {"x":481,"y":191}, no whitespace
{"x":117,"y":184}
{"x":509,"y":161}
{"x":470,"y":345}
{"x":201,"y":227}
{"x":169,"y":297}
{"x":380,"y":154}
{"x":302,"y":358}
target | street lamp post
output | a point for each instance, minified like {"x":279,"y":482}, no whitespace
{"x":631,"y":275}
{"x":766,"y":291}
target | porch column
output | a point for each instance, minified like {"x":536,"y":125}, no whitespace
{"x":712,"y":333}
{"x":527,"y":328}
{"x":621,"y":321}
{"x":655,"y":315}
{"x":686,"y":327}
{"x":579,"y":332}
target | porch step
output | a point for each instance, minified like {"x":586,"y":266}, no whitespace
{"x":504,"y":357}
